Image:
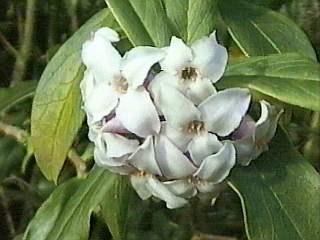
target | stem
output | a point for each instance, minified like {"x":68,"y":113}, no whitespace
{"x":26,"y":45}
{"x":18,"y":134}
{"x":7,"y":45}
{"x":79,"y":164}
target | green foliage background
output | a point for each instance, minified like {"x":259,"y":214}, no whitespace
{"x":82,"y":204}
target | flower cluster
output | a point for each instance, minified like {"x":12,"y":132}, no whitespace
{"x":172,"y":132}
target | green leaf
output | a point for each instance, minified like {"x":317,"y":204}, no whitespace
{"x":144,"y":22}
{"x":56,"y":113}
{"x":153,"y":22}
{"x":259,"y":31}
{"x":279,"y":194}
{"x":66,"y":213}
{"x":13,"y":95}
{"x":192,"y":19}
{"x":287,"y":77}
{"x":115,"y":207}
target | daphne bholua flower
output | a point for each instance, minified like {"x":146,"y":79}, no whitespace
{"x":171,"y":132}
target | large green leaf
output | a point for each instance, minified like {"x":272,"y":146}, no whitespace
{"x":191,"y":19}
{"x":66,"y":214}
{"x":115,"y":207}
{"x":56,"y":112}
{"x":280,"y":194}
{"x":12,"y":95}
{"x":260,"y":31}
{"x":144,"y":22}
{"x":287,"y":77}
{"x":153,"y":22}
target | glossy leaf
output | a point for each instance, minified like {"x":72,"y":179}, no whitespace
{"x":287,"y":77}
{"x":66,"y":213}
{"x":191,"y":19}
{"x":279,"y":194}
{"x":13,"y":95}
{"x":115,"y":207}
{"x":144,"y":22}
{"x":153,"y":22}
{"x":259,"y":31}
{"x":56,"y":112}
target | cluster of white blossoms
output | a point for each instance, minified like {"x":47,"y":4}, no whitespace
{"x":172,"y":132}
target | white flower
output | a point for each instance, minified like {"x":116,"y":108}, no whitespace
{"x":221,"y":113}
{"x":115,"y":82}
{"x":252,"y":138}
{"x":159,"y":157}
{"x":193,"y":69}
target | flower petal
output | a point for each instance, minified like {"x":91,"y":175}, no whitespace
{"x":118,"y":146}
{"x":266,"y":126}
{"x":173,"y":163}
{"x":139,"y":183}
{"x":160,"y":191}
{"x":216,"y":168}
{"x":183,"y":188}
{"x":138,"y":114}
{"x":210,"y":58}
{"x":200,"y":90}
{"x":178,"y":56}
{"x":203,"y":146}
{"x":223,"y":112}
{"x":245,"y":150}
{"x":101,"y":58}
{"x":176,"y":108}
{"x":108,"y":34}
{"x":176,"y":135}
{"x":144,"y":158}
{"x":209,"y":187}
{"x":136,"y":64}
{"x":114,"y":125}
{"x":101,"y":102}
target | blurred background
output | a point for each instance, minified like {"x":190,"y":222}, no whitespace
{"x":31,"y":31}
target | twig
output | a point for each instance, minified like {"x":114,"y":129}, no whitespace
{"x":79,"y":164}
{"x":7,"y":214}
{"x":26,"y":44}
{"x":18,"y":134}
{"x":8,"y":46}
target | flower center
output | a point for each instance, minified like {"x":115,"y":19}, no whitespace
{"x":122,"y":85}
{"x":195,"y":127}
{"x":189,"y":73}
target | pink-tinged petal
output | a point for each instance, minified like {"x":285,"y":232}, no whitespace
{"x":137,"y":63}
{"x":202,"y":146}
{"x":172,"y":162}
{"x":144,"y":158}
{"x":216,"y":167}
{"x":138,"y":114}
{"x":114,"y":125}
{"x":210,"y":58}
{"x":178,"y":56}
{"x":223,"y":112}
